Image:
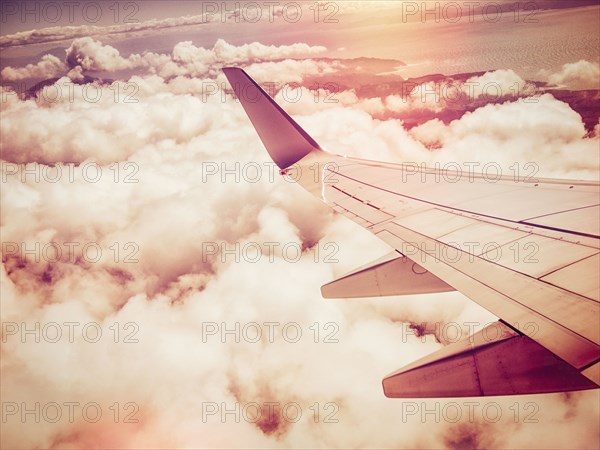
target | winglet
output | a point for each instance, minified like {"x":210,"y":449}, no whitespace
{"x":283,"y":138}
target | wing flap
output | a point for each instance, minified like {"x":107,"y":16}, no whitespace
{"x":495,"y":361}
{"x":389,"y":275}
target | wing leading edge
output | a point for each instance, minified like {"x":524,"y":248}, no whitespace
{"x":526,"y":250}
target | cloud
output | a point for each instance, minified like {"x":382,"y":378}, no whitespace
{"x":93,"y":55}
{"x":49,"y":66}
{"x":289,"y":70}
{"x":259,"y":52}
{"x":497,"y":84}
{"x":426,"y":96}
{"x":263,"y":61}
{"x":579,"y":75}
{"x":540,"y":130}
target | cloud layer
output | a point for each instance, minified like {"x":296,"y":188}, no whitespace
{"x":159,"y":172}
{"x":186,"y":59}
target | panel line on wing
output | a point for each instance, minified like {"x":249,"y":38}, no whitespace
{"x":560,"y":212}
{"x":577,"y":233}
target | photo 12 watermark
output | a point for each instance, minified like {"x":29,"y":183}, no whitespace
{"x":254,"y":252}
{"x":253,"y":172}
{"x":69,"y":12}
{"x":88,"y":172}
{"x":69,"y":412}
{"x":68,"y":91}
{"x":269,"y":332}
{"x":450,"y":332}
{"x":72,"y":252}
{"x":261,"y":413}
{"x":323,"y":12}
{"x":519,"y":251}
{"x":470,"y":411}
{"x":452,"y":12}
{"x":70,"y":332}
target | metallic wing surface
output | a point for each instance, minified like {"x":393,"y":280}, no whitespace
{"x":525,"y":249}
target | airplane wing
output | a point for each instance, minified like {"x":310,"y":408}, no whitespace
{"x":525,"y":249}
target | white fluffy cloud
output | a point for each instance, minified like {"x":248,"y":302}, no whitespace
{"x":93,"y":55}
{"x":49,"y":66}
{"x":289,"y":70}
{"x":539,"y":130}
{"x":497,"y":84}
{"x":579,"y":75}
{"x":259,"y":52}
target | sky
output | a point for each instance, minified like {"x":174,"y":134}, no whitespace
{"x":161,"y":279}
